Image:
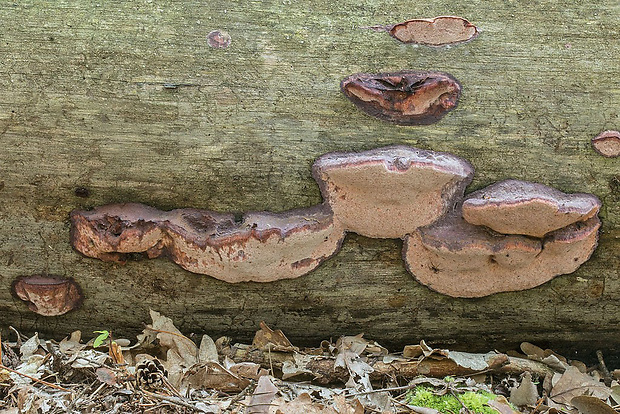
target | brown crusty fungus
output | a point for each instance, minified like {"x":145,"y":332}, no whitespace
{"x":405,"y":98}
{"x":391,"y":191}
{"x":607,"y":144}
{"x":531,"y":209}
{"x":48,"y":295}
{"x":263,"y":247}
{"x":439,"y":31}
{"x":460,"y":259}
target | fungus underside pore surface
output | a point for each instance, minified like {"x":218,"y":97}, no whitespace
{"x":460,"y":246}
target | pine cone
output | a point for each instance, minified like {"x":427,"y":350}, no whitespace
{"x":150,"y":374}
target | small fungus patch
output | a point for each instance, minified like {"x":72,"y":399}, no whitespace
{"x":218,"y":39}
{"x":404,"y":98}
{"x":48,"y":295}
{"x":439,"y":31}
{"x":607,"y":144}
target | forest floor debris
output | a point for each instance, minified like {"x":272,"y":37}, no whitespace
{"x":166,"y":372}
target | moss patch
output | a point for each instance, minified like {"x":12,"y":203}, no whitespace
{"x":474,"y":401}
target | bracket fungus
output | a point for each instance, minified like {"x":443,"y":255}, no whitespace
{"x":512,"y":235}
{"x":439,"y":31}
{"x":404,"y":98}
{"x":48,"y":295}
{"x":460,"y":259}
{"x":391,"y":191}
{"x":531,"y":209}
{"x":262,"y":247}
{"x":607,"y":143}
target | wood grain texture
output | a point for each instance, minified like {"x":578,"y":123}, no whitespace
{"x":129,"y":101}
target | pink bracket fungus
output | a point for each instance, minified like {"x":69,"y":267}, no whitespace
{"x":48,"y":295}
{"x":439,"y":31}
{"x":406,"y":97}
{"x":263,"y":247}
{"x":607,"y":143}
{"x":531,"y":209}
{"x":391,"y":191}
{"x":460,"y":259}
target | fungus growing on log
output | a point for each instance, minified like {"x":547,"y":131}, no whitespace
{"x":439,"y":31}
{"x":607,"y":144}
{"x":48,"y":295}
{"x":531,"y":209}
{"x":405,"y":98}
{"x":263,"y":247}
{"x":391,"y":191}
{"x":460,"y":259}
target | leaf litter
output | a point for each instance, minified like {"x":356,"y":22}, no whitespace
{"x":164,"y":371}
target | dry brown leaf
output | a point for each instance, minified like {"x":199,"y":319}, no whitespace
{"x":267,"y":338}
{"x":501,"y":405}
{"x":412,"y":351}
{"x":173,"y":340}
{"x":342,"y":407}
{"x":303,"y":404}
{"x":106,"y":375}
{"x":248,"y":370}
{"x":439,"y":31}
{"x":72,"y":344}
{"x":212,"y":375}
{"x":263,"y":395}
{"x":207,"y":350}
{"x":573,"y":384}
{"x":591,"y":405}
{"x":532,"y":351}
{"x":526,"y":393}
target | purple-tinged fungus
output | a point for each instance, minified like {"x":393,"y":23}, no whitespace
{"x":391,"y":191}
{"x":531,"y":209}
{"x":263,"y":247}
{"x":607,"y":144}
{"x":48,"y":295}
{"x":405,"y":98}
{"x":459,"y":259}
{"x":218,"y":39}
{"x":439,"y":31}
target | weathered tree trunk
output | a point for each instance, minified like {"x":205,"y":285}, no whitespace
{"x":127,"y":102}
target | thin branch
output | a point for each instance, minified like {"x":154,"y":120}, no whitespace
{"x":49,"y":384}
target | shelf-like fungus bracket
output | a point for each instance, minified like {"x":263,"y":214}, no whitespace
{"x":436,"y":32}
{"x":404,"y":98}
{"x":48,"y":295}
{"x":531,"y":209}
{"x":607,"y":143}
{"x":262,"y":247}
{"x":460,"y":259}
{"x":389,"y":192}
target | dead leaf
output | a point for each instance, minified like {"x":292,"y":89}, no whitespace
{"x":268,"y":339}
{"x":173,"y":340}
{"x":262,"y":397}
{"x":500,"y":404}
{"x":249,"y":370}
{"x":212,"y":375}
{"x":29,"y":347}
{"x":72,"y":344}
{"x":412,"y":351}
{"x":532,"y":351}
{"x":573,"y":384}
{"x":207,"y":350}
{"x":355,"y":407}
{"x":303,"y":404}
{"x":297,"y":366}
{"x":439,"y":31}
{"x":106,"y":376}
{"x":591,"y":405}
{"x":526,"y":393}
{"x":423,"y":410}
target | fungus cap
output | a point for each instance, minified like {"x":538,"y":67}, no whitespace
{"x":531,"y":209}
{"x":391,"y":191}
{"x":48,"y":295}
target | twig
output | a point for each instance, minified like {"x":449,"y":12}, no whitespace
{"x":49,"y":384}
{"x":172,"y":400}
{"x":601,"y":363}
